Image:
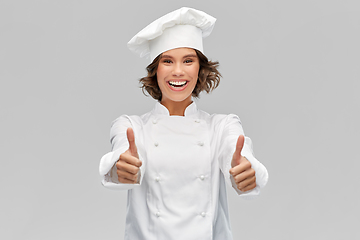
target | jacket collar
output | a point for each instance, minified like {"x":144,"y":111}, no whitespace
{"x":162,"y":110}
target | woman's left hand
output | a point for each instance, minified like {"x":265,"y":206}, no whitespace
{"x":241,"y":170}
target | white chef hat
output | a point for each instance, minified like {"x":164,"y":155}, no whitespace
{"x":185,"y":27}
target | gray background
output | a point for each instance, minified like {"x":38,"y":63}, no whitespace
{"x":290,"y":71}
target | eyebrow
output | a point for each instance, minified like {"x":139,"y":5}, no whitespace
{"x":186,"y":56}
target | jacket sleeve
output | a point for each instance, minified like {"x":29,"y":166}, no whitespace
{"x":231,"y":129}
{"x":119,"y":142}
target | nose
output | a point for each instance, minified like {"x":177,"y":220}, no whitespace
{"x":178,"y":70}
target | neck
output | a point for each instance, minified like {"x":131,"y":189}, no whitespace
{"x":176,"y":108}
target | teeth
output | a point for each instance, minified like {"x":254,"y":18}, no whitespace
{"x":177,"y":83}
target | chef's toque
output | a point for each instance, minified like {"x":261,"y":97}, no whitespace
{"x":185,"y":27}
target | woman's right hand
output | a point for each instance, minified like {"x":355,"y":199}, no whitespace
{"x":128,"y":164}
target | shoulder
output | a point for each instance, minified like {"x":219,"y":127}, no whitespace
{"x":219,"y":119}
{"x":219,"y":122}
{"x":131,"y":120}
{"x":122,"y":123}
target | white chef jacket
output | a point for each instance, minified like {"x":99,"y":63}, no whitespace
{"x":185,"y":164}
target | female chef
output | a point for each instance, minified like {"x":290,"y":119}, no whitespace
{"x":175,"y":160}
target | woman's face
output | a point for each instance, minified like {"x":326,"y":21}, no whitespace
{"x":177,"y":74}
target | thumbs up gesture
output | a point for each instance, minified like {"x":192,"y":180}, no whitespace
{"x":241,"y":170}
{"x":128,"y":164}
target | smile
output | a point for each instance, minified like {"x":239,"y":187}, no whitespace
{"x":177,"y":83}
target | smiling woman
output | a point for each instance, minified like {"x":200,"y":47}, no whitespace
{"x":208,"y":77}
{"x":175,"y":160}
{"x":177,"y":75}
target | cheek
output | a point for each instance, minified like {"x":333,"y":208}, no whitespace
{"x":159,"y":75}
{"x":159,"y":79}
{"x":195,"y":72}
{"x":161,"y":70}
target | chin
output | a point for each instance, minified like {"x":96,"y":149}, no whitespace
{"x":178,"y":99}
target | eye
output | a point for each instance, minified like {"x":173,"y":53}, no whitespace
{"x":167,"y":61}
{"x":188,"y":61}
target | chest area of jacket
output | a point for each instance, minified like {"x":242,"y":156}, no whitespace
{"x":177,"y":145}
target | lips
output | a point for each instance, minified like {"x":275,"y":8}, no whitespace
{"x":177,"y":85}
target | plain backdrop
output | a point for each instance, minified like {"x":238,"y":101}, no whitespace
{"x":291,"y":71}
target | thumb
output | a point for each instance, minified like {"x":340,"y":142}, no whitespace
{"x":131,"y":139}
{"x":239,"y":147}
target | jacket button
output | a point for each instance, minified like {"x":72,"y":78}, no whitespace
{"x":197,"y":120}
{"x":157,"y":179}
{"x":201,"y":143}
{"x":203,"y":214}
{"x":156,"y":144}
{"x":154,"y":121}
{"x":202,"y":177}
{"x":157,"y":214}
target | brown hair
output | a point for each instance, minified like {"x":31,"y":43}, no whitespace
{"x":208,"y":78}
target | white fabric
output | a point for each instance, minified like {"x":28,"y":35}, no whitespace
{"x":176,"y":37}
{"x":145,"y":42}
{"x":186,"y":162}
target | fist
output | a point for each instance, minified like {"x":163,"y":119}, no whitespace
{"x":241,"y":170}
{"x":127,"y":167}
